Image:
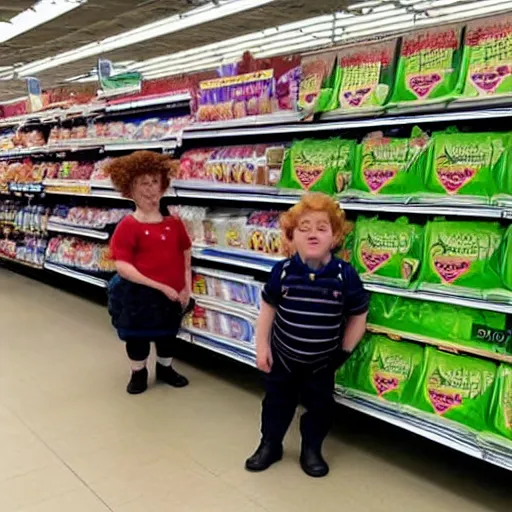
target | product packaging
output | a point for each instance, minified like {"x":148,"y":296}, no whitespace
{"x":457,"y":388}
{"x":487,"y":61}
{"x":457,"y":258}
{"x":501,"y":410}
{"x":387,"y":252}
{"x":429,"y":65}
{"x":441,"y":323}
{"x":318,"y":165}
{"x":388,"y":166}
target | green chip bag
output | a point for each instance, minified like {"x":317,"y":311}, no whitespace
{"x":457,"y":257}
{"x":441,"y":323}
{"x":458,"y":388}
{"x":487,"y":62}
{"x":501,"y":411}
{"x":503,"y":174}
{"x":387,"y":252}
{"x":463,"y":164}
{"x":428,"y":67}
{"x":383,"y":368}
{"x":367,"y":74}
{"x":318,"y":165}
{"x":386,"y":166}
{"x":501,"y":263}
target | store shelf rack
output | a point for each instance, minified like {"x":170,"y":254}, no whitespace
{"x":55,"y":227}
{"x":75,"y":274}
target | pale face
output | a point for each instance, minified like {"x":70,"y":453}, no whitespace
{"x":147,"y":191}
{"x":313,"y":237}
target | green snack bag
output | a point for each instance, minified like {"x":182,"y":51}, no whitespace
{"x":457,"y":257}
{"x":440,"y":323}
{"x":386,"y":166}
{"x":318,"y":82}
{"x":348,"y":375}
{"x":387,"y":252}
{"x":428,"y":67}
{"x":503,"y":195}
{"x":501,"y":411}
{"x":463,"y":164}
{"x":318,"y":165}
{"x":458,"y":388}
{"x":501,"y":263}
{"x":487,"y":61}
{"x":367,"y":73}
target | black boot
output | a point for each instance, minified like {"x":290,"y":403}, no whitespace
{"x":312,"y":462}
{"x":138,"y":383}
{"x":170,"y":376}
{"x":266,"y":455}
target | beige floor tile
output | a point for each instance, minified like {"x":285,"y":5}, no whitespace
{"x":71,"y":439}
{"x":76,"y":501}
{"x":36,"y":486}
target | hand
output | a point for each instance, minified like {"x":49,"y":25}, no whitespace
{"x":264,"y":359}
{"x":170,"y":293}
{"x":184,"y":297}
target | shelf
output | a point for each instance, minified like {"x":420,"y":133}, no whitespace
{"x":265,"y":263}
{"x":75,"y":274}
{"x":235,"y":258}
{"x":208,"y":190}
{"x":244,"y":311}
{"x":448,"y":346}
{"x":453,"y":436}
{"x":20,"y":262}
{"x":446,"y":299}
{"x":219,"y":345}
{"x":56,"y":227}
{"x":140,"y":145}
{"x":249,"y":127}
{"x":162,"y":101}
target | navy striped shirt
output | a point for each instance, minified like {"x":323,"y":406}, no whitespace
{"x":312,"y":307}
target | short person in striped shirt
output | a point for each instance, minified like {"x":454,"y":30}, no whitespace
{"x":313,"y":314}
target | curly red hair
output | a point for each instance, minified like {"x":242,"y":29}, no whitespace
{"x":313,"y":202}
{"x":123,"y":171}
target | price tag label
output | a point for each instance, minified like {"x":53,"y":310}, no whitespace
{"x":507,"y":214}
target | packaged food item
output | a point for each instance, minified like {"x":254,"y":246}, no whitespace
{"x":388,"y":166}
{"x":465,"y":164}
{"x":487,"y":60}
{"x":388,"y":369}
{"x":457,"y":257}
{"x":234,"y":232}
{"x":457,"y":388}
{"x":318,"y":83}
{"x":318,"y":165}
{"x":501,"y":410}
{"x":439,"y":322}
{"x":428,"y":65}
{"x":387,"y":252}
{"x":367,"y":73}
{"x":236,"y":96}
{"x":193,"y":218}
{"x":215,"y":229}
{"x":258,"y":226}
{"x":193,"y":164}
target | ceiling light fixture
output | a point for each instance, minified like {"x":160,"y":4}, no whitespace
{"x":40,"y":13}
{"x":209,"y":12}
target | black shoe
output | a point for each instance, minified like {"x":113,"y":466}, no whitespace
{"x":170,"y":376}
{"x":266,"y":455}
{"x":312,"y":462}
{"x":138,"y":383}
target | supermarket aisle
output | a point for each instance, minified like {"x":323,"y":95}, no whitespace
{"x":71,"y":439}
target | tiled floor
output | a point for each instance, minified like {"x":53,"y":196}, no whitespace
{"x":72,"y":440}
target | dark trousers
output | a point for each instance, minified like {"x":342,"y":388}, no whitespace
{"x":138,"y":349}
{"x":287,"y":386}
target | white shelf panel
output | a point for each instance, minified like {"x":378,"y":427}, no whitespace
{"x":140,"y":145}
{"x":227,"y":129}
{"x":265,"y":263}
{"x":241,"y":310}
{"x":149,"y":102}
{"x":78,"y":231}
{"x":75,"y":274}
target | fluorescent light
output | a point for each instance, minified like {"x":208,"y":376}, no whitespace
{"x":41,"y":12}
{"x":209,"y":12}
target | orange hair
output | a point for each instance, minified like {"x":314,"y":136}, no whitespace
{"x":123,"y":171}
{"x":313,"y":202}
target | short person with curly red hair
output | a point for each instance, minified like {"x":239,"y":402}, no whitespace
{"x":312,"y":316}
{"x":152,"y":289}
